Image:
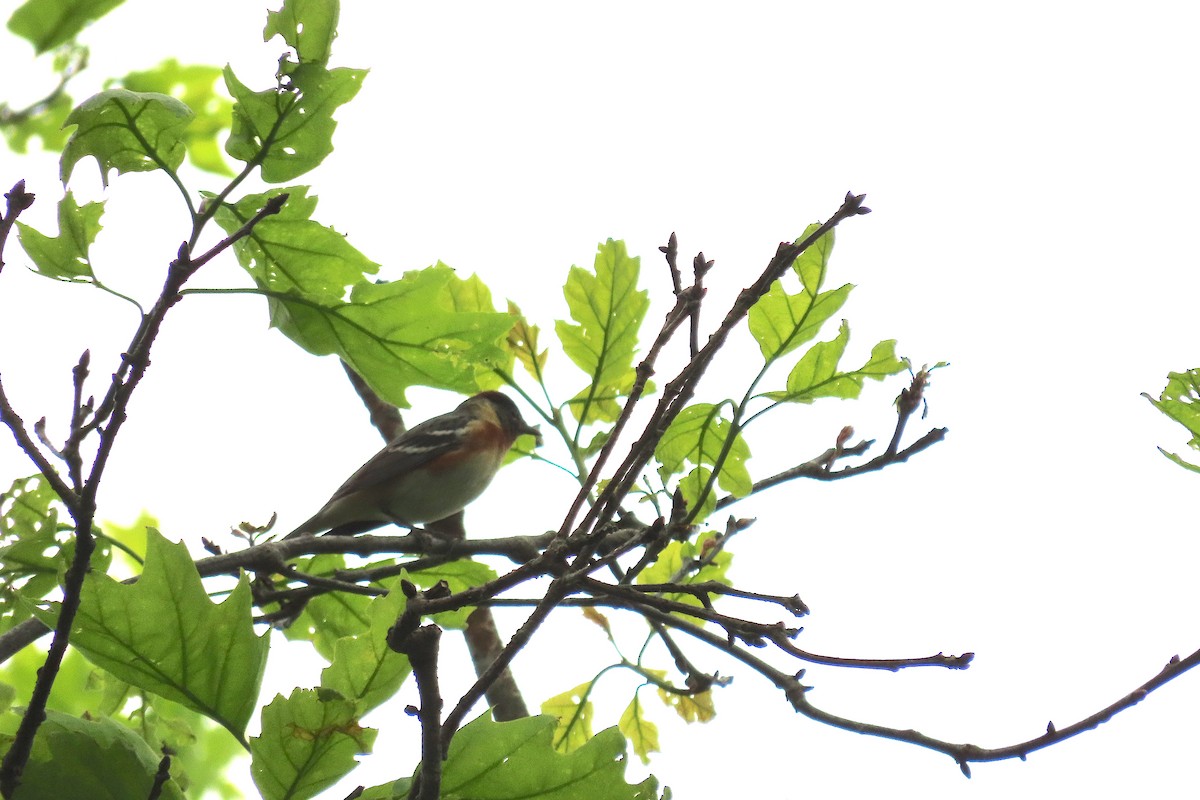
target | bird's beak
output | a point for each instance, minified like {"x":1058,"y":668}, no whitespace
{"x":535,"y":431}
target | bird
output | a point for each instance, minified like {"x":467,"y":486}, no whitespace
{"x":429,"y":472}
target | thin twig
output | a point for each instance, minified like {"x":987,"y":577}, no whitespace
{"x":18,"y":200}
{"x":678,"y":391}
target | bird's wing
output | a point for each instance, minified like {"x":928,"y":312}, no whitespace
{"x":415,"y":447}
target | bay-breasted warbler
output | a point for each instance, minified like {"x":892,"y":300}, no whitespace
{"x":427,"y":473}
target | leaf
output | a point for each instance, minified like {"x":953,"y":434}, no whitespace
{"x":132,"y":536}
{"x":31,"y":552}
{"x":692,"y":708}
{"x":573,"y":711}
{"x":163,"y":634}
{"x":202,"y":752}
{"x":523,"y":341}
{"x":65,"y":257}
{"x":641,"y":732}
{"x":49,"y":23}
{"x":288,"y":131}
{"x":364,"y":669}
{"x":308,"y":26}
{"x":594,"y":616}
{"x":697,"y":493}
{"x":516,"y":761}
{"x":817,"y":374}
{"x":399,"y":334}
{"x":292,"y":253}
{"x":1180,"y":400}
{"x":329,"y":617}
{"x":75,"y":689}
{"x":46,"y":126}
{"x":609,"y":310}
{"x":307,"y":744}
{"x":127,"y":131}
{"x":195,"y":86}
{"x":781,"y":322}
{"x":460,"y":575}
{"x":96,"y":759}
{"x":28,"y":508}
{"x":677,"y":559}
{"x":701,"y":436}
{"x":472,"y":295}
{"x":812,"y":263}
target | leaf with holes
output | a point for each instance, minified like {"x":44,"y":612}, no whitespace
{"x":288,"y":131}
{"x":573,"y":711}
{"x":1180,"y":400}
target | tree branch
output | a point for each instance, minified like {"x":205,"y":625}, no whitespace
{"x":421,"y":647}
{"x":83,"y":508}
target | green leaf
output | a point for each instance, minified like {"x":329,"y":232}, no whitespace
{"x":691,"y":708}
{"x":517,"y":761}
{"x":472,"y":295}
{"x":461,"y":575}
{"x":573,"y":711}
{"x":678,"y":558}
{"x":329,"y":617}
{"x":781,"y":322}
{"x":292,"y":253}
{"x":49,"y":23}
{"x":641,"y":732}
{"x":1180,"y":400}
{"x":307,"y":744}
{"x":288,"y":131}
{"x":308,"y":26}
{"x":697,"y":494}
{"x":812,"y":263}
{"x":127,"y":131}
{"x":75,"y":690}
{"x":399,"y":334}
{"x":96,"y":759}
{"x":202,"y":752}
{"x":133,"y":536}
{"x":414,"y":331}
{"x":364,"y":669}
{"x":609,"y":311}
{"x":817,"y":374}
{"x":195,"y":86}
{"x":523,"y":342}
{"x":31,"y":555}
{"x":162,"y":632}
{"x":46,"y":125}
{"x":28,"y":508}
{"x":65,"y":257}
{"x":1178,"y":459}
{"x":701,"y":436}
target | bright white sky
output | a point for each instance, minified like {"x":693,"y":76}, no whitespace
{"x":1029,"y":169}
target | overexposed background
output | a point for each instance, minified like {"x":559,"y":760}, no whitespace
{"x":1032,"y":171}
